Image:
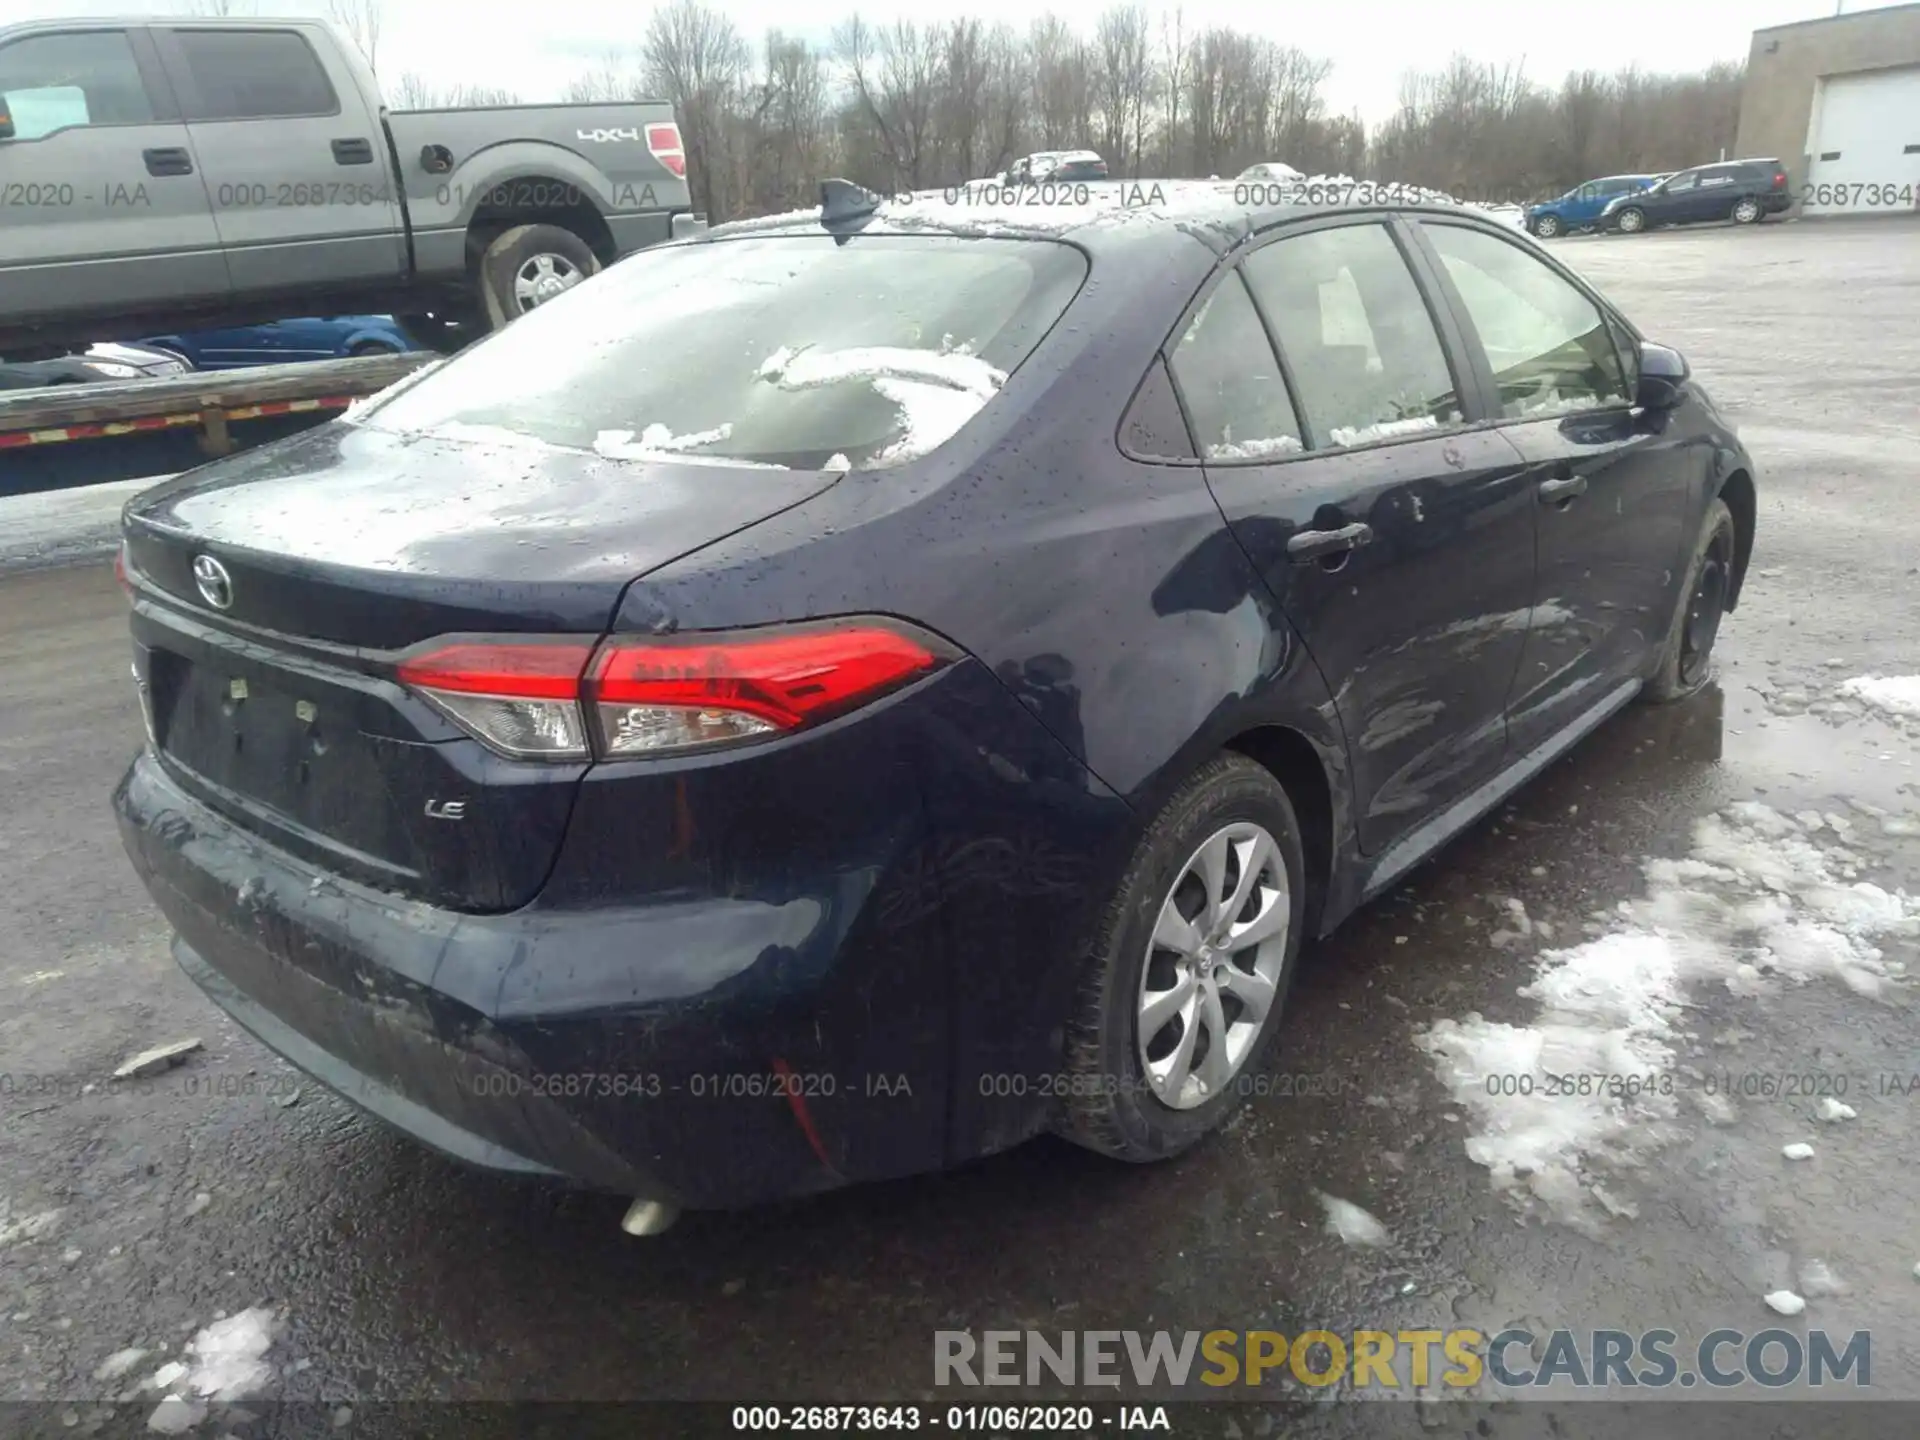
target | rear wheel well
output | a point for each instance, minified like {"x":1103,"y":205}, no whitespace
{"x":1291,"y":759}
{"x":1738,"y":493}
{"x":580,"y":216}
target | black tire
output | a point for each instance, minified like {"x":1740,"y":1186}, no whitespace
{"x":1547,"y":227}
{"x":513,"y":251}
{"x":1636,"y":226}
{"x":1110,"y":1106}
{"x":372,"y":347}
{"x":1686,"y":659}
{"x":1746,"y":211}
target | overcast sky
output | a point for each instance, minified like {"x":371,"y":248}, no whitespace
{"x":534,"y":50}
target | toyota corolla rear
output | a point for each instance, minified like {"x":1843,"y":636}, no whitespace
{"x":642,"y":906}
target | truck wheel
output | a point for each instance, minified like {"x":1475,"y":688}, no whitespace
{"x":530,"y":264}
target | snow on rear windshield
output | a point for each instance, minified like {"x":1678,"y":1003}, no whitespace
{"x":776,"y":350}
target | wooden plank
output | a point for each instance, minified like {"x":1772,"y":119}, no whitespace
{"x":55,"y":406}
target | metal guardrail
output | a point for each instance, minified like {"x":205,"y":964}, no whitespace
{"x":210,"y":401}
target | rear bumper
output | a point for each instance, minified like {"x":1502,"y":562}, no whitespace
{"x":867,"y":933}
{"x":673,"y":1094}
{"x":633,"y":232}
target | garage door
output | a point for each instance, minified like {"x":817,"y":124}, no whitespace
{"x":1866,"y":143}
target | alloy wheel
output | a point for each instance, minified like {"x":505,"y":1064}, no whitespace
{"x":1213,"y":966}
{"x":541,"y":277}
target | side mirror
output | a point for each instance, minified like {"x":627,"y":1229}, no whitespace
{"x":1663,"y":377}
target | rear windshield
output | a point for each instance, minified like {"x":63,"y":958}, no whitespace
{"x":787,"y":350}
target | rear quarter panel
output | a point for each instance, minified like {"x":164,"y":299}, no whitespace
{"x":1109,"y":600}
{"x":529,"y":156}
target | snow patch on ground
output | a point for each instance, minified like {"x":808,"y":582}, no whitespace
{"x":1897,"y":695}
{"x":1763,"y":900}
{"x":1889,"y":699}
{"x":224,"y":1363}
{"x":1351,"y":1224}
{"x":16,"y":1228}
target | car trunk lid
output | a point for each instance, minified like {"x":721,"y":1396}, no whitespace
{"x":276,"y":592}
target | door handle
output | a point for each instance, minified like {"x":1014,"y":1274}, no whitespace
{"x":171,"y":160}
{"x":353,"y":152}
{"x":1562,"y":488}
{"x":1318,"y":544}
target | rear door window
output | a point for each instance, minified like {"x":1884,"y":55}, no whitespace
{"x":788,"y":350}
{"x":1230,"y":380}
{"x":1550,"y":346}
{"x":1358,"y":338}
{"x":253,"y":75}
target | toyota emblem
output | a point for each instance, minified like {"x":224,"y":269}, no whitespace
{"x":216,"y":586}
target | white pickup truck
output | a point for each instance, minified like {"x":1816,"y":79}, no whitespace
{"x":161,"y":174}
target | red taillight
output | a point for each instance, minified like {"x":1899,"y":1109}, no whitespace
{"x":664,"y":142}
{"x":1780,"y":180}
{"x":120,"y":569}
{"x":648,"y":695}
{"x":522,"y":697}
{"x":540,"y":670}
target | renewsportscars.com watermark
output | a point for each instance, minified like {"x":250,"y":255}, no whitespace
{"x":1233,"y":1360}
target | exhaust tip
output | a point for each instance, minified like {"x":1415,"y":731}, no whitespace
{"x":649,"y":1217}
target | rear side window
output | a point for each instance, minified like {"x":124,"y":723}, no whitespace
{"x":1359,"y":340}
{"x":1551,"y":349}
{"x":786,"y":350}
{"x":52,"y":82}
{"x":1230,"y":381}
{"x":254,"y":75}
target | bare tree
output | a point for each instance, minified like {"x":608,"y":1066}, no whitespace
{"x":360,"y":19}
{"x":928,"y":104}
{"x":414,"y":93}
{"x":694,"y":56}
{"x":1122,"y":77}
{"x":225,"y":7}
{"x":1174,"y":65}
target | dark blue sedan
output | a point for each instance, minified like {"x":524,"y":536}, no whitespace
{"x":842,"y":694}
{"x":282,"y":342}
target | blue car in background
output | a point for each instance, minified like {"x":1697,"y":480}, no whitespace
{"x":1581,"y":207}
{"x":286,"y":341}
